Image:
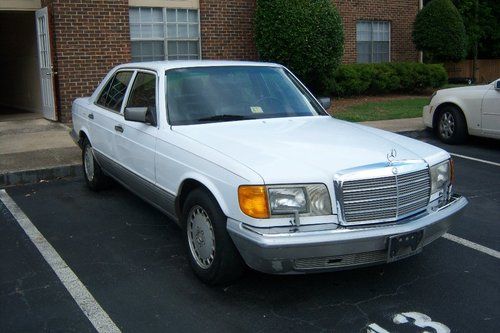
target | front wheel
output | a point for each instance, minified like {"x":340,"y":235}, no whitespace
{"x":451,"y":126}
{"x":211,"y":252}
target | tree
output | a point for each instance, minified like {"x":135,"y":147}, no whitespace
{"x":304,"y":35}
{"x":439,"y":31}
{"x":482,"y":25}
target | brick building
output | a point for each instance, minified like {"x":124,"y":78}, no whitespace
{"x":54,"y":51}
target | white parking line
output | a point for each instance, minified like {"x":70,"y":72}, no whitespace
{"x":475,"y":159}
{"x":87,"y":303}
{"x":472,"y":245}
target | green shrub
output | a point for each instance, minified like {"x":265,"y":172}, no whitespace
{"x":403,"y":77}
{"x":304,"y":35}
{"x":347,"y":81}
{"x":440,"y":32}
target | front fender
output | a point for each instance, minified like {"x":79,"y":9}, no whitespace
{"x":211,"y":186}
{"x":465,"y":106}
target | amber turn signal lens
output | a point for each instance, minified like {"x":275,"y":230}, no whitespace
{"x":253,"y":201}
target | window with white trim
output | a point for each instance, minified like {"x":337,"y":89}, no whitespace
{"x":373,"y":41}
{"x":164,"y":33}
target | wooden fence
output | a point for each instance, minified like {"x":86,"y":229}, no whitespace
{"x":487,"y":70}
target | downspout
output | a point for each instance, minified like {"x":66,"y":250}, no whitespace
{"x":420,"y":53}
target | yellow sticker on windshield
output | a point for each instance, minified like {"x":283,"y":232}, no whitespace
{"x":256,"y":109}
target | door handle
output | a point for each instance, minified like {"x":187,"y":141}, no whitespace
{"x":90,"y":115}
{"x":119,"y":128}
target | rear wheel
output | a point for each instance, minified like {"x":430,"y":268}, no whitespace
{"x":451,"y":126}
{"x":211,"y":252}
{"x":94,"y":176}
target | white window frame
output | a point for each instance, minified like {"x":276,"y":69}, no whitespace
{"x":371,"y":22}
{"x":165,"y":38}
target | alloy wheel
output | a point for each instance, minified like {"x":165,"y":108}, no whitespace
{"x":447,"y":125}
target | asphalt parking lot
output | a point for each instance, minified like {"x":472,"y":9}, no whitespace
{"x":131,"y":260}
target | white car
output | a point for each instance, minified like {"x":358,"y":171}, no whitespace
{"x":457,"y":112}
{"x":255,"y":172}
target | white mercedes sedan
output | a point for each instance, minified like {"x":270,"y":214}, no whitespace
{"x":256,"y":173}
{"x":458,"y":112}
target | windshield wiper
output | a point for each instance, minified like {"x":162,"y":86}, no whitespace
{"x":225,"y":117}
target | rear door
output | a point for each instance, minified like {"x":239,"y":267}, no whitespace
{"x":490,"y":111}
{"x":136,"y":144}
{"x":105,"y":114}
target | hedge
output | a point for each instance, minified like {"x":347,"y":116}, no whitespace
{"x":403,"y":77}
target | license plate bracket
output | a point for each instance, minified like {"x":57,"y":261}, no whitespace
{"x":404,"y":245}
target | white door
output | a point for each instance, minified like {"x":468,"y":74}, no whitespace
{"x":105,"y":117}
{"x":136,"y":143}
{"x":45,"y":61}
{"x":490,"y":111}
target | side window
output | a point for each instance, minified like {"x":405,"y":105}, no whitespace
{"x":143,"y":93}
{"x":113,"y":93}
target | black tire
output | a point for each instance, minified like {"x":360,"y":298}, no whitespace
{"x":451,"y":126}
{"x":94,"y":176}
{"x":224,"y":264}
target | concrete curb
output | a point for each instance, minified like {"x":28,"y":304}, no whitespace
{"x":36,"y":176}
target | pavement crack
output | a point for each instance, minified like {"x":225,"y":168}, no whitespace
{"x":296,"y":319}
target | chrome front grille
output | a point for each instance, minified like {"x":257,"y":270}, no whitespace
{"x":383,"y":199}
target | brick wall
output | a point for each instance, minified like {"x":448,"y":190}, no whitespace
{"x":227,"y":29}
{"x":400,"y":13}
{"x":89,"y":38}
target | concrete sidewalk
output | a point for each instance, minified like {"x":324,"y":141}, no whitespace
{"x":36,"y":149}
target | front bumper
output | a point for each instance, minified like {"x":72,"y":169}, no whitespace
{"x":303,"y":249}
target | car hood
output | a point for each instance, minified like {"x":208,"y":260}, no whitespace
{"x":306,"y":149}
{"x":465,"y":89}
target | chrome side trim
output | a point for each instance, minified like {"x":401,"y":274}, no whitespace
{"x":149,"y":192}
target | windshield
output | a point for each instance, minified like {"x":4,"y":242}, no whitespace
{"x":228,"y":93}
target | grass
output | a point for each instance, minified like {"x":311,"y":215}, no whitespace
{"x":393,"y":109}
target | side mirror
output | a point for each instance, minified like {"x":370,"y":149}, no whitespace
{"x":497,"y":85}
{"x":141,"y":114}
{"x":325,"y":102}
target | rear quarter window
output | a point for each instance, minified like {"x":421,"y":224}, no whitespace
{"x":113,"y":93}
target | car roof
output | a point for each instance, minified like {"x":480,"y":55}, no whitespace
{"x":172,"y":64}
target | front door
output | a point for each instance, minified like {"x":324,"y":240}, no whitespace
{"x":45,"y":62}
{"x":490,"y":111}
{"x":136,"y":143}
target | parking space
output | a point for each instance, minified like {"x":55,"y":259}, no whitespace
{"x":131,"y":259}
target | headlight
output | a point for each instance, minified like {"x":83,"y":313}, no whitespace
{"x":266,"y":201}
{"x":287,"y":199}
{"x":440,"y":176}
